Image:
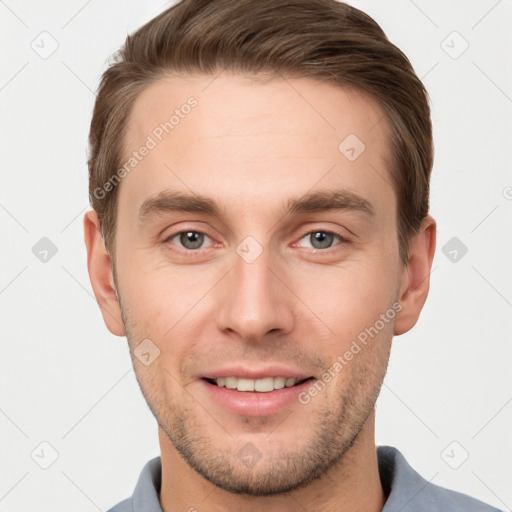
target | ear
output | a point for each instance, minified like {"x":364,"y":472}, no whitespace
{"x":100,"y":274}
{"x":416,"y":276}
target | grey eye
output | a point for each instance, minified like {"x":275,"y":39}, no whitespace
{"x":191,"y":239}
{"x":321,"y":239}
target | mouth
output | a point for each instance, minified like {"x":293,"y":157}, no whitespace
{"x":263,"y":385}
{"x":255,"y":391}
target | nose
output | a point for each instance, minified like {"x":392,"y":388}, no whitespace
{"x":254,"y":301}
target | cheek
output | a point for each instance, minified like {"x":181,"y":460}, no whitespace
{"x":167,"y":305}
{"x":156,"y":290}
{"x":348,"y":297}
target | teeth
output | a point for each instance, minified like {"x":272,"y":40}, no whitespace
{"x":264,"y":385}
{"x":230,"y":382}
{"x":261,"y":385}
{"x":289,"y":382}
{"x":245,"y":385}
{"x":279,"y":382}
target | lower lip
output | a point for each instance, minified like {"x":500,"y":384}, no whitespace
{"x":254,"y":404}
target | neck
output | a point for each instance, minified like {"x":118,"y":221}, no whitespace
{"x":353,"y":484}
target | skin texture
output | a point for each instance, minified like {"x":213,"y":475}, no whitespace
{"x":251,"y":147}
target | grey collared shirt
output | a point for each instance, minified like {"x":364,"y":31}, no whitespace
{"x":407,"y":491}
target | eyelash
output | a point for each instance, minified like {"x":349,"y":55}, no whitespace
{"x":342,"y":240}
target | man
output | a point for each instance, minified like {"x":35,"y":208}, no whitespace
{"x":259,"y":176}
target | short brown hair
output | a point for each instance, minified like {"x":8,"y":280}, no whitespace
{"x":325,"y":40}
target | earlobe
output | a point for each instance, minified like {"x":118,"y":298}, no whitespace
{"x":416,"y":276}
{"x":99,"y":266}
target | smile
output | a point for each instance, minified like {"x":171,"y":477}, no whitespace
{"x":264,"y":385}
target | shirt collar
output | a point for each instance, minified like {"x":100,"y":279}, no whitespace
{"x":407,"y":491}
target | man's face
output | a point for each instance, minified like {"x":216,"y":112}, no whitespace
{"x":246,"y":287}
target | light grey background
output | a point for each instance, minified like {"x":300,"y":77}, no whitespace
{"x":67,"y":382}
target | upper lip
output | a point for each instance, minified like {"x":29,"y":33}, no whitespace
{"x":253,"y":373}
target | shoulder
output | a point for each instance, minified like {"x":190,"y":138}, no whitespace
{"x":408,"y":491}
{"x":123,"y":506}
{"x":145,"y":495}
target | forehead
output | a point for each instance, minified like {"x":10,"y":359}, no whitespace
{"x":250,"y":140}
{"x":247,"y":106}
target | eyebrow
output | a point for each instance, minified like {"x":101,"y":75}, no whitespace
{"x":331,"y":200}
{"x":342,"y":200}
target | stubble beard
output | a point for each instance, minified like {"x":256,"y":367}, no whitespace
{"x":332,"y":433}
